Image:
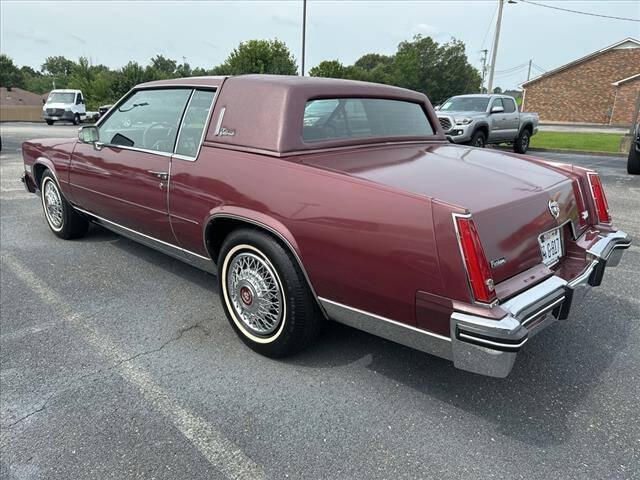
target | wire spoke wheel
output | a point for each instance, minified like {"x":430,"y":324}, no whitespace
{"x":255,"y":292}
{"x":52,"y":204}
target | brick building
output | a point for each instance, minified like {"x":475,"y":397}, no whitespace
{"x":602,"y":88}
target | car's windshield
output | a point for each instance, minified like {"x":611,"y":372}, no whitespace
{"x":465,"y":104}
{"x":61,"y":97}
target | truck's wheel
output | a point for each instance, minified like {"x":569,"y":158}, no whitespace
{"x":76,"y":119}
{"x":63,"y":220}
{"x":479,"y":139}
{"x":633,"y":161}
{"x":49,"y":122}
{"x":265,"y":294}
{"x":521,"y":145}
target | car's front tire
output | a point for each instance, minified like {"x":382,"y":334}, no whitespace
{"x":479,"y":139}
{"x":61,"y":217}
{"x":49,"y":122}
{"x":265,"y":294}
{"x":76,"y":119}
{"x":521,"y":145}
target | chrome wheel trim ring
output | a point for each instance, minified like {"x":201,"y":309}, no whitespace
{"x":52,"y":203}
{"x":265,"y":289}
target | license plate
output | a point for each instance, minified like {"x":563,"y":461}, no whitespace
{"x":551,"y":246}
{"x":55,"y":118}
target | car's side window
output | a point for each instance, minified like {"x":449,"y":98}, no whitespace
{"x":148,"y":120}
{"x":509,"y":105}
{"x":497,"y":103}
{"x":79,"y":99}
{"x":194,"y":123}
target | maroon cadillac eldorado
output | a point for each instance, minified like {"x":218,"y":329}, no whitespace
{"x":315,"y":199}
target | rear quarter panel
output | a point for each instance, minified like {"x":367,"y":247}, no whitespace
{"x":363,"y":245}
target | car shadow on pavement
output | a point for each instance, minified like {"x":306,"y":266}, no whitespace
{"x":97,"y":234}
{"x":552,"y":376}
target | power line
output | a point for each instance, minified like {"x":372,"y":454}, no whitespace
{"x":581,"y":13}
{"x":512,"y":69}
{"x":488,"y":28}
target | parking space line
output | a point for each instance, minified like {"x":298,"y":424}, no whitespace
{"x":221,"y":452}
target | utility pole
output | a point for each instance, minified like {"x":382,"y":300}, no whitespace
{"x":484,"y":67}
{"x":494,"y":52}
{"x":304,"y":30}
{"x":529,"y":71}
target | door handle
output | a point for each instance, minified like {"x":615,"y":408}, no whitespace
{"x":160,"y":175}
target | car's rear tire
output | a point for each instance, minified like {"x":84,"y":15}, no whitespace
{"x":76,"y":119}
{"x":49,"y":122}
{"x":479,"y":139}
{"x":521,"y":145}
{"x":633,"y":160}
{"x":62,"y":218}
{"x":265,"y":294}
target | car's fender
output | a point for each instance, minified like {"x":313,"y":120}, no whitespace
{"x":263,"y":222}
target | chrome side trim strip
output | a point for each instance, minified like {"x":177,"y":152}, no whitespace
{"x":401,"y":333}
{"x":136,"y":149}
{"x":204,"y":263}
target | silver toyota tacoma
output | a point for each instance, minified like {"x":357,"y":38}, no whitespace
{"x":479,"y":120}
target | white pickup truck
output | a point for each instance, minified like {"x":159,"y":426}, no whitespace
{"x":483,"y":119}
{"x":64,"y":105}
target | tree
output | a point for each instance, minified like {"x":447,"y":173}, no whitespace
{"x":497,"y":90}
{"x":370,"y":61}
{"x":10,"y":74}
{"x":329,"y":68}
{"x":439,"y":71}
{"x":59,"y":68}
{"x":259,"y":56}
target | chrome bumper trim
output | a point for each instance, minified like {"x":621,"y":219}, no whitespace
{"x":489,"y":347}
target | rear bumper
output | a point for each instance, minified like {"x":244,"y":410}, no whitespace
{"x":489,"y":347}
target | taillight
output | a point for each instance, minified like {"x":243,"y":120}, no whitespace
{"x":478,"y":269}
{"x":597,"y":192}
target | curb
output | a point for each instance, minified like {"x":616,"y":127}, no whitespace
{"x":571,"y":152}
{"x":579,"y":152}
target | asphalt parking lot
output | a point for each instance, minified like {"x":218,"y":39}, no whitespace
{"x":117,"y":362}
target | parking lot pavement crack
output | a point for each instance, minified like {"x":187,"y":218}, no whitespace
{"x":177,"y":337}
{"x":75,"y":383}
{"x":37,"y":410}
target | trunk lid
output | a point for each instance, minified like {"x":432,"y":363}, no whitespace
{"x":507,"y":195}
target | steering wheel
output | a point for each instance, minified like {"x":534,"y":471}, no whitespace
{"x":157,"y":142}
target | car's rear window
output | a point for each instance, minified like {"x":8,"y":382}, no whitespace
{"x":349,"y":118}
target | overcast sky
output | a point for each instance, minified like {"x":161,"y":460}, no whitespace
{"x":204,"y":32}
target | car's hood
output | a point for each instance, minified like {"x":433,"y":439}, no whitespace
{"x":50,"y":144}
{"x":441,"y":113}
{"x":56,"y":105}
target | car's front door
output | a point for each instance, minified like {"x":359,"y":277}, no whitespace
{"x":124,"y":178}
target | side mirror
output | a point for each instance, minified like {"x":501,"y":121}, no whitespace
{"x":89,"y":134}
{"x":497,"y":109}
{"x":437,"y":107}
